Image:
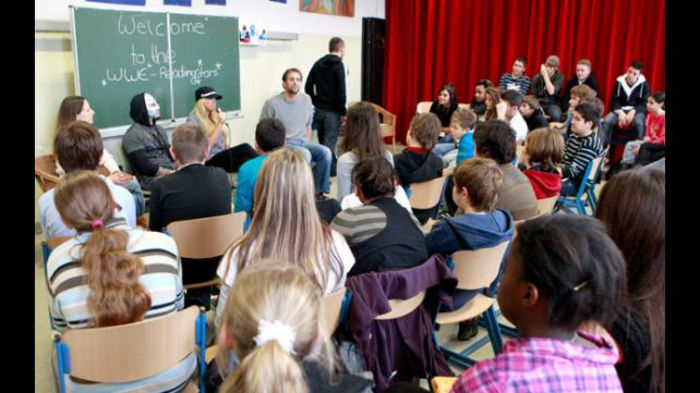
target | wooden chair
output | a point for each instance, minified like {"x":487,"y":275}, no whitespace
{"x":45,"y":172}
{"x":206,"y":238}
{"x":442,"y":384}
{"x":124,"y":353}
{"x":475,"y":269}
{"x":546,"y":205}
{"x":569,"y":202}
{"x":401,"y":307}
{"x":387,"y":123}
{"x":330,"y":310}
{"x":428,"y":194}
{"x":423,"y":107}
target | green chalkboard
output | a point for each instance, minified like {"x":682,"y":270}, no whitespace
{"x":122,"y":53}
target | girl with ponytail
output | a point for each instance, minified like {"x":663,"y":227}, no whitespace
{"x":109,"y":273}
{"x":272,"y":323}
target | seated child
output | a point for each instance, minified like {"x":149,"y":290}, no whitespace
{"x":653,"y":146}
{"x":475,"y":192}
{"x":269,"y":136}
{"x":111,"y":274}
{"x":581,"y":147}
{"x":562,"y":270}
{"x":544,"y":150}
{"x":382,"y":234}
{"x":462,"y":129}
{"x":272,"y":321}
{"x":417,"y":164}
{"x":532,"y":113}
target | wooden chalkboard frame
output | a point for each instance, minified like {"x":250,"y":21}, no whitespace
{"x":172,"y":120}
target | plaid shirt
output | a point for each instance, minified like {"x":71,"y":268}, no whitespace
{"x":538,"y":364}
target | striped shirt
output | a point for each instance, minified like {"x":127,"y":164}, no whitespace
{"x":579,"y":152}
{"x":538,"y":365}
{"x":69,"y":291}
{"x":362,"y":223}
{"x":509,"y":82}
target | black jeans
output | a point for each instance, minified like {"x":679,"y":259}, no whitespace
{"x":328,"y":126}
{"x":232,"y":159}
{"x":650,"y":152}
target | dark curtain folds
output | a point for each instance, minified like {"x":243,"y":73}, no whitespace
{"x":431,"y":42}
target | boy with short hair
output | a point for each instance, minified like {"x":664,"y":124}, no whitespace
{"x":269,"y":136}
{"x":462,"y":129}
{"x":477,"y":184}
{"x":516,"y":80}
{"x":417,"y":164}
{"x":194,"y":190}
{"x":79,"y":146}
{"x":582,"y":146}
{"x":511,"y":100}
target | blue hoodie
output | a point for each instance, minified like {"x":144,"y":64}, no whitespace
{"x":469,"y":232}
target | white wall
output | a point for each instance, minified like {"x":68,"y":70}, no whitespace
{"x":261,"y":67}
{"x":264,"y":13}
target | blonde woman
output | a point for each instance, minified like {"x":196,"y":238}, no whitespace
{"x":272,"y":323}
{"x":111,"y":274}
{"x":286,"y":226}
{"x":211,"y":119}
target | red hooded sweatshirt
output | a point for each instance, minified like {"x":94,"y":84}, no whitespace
{"x":545,"y":184}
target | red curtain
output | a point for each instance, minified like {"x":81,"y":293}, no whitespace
{"x":431,"y":42}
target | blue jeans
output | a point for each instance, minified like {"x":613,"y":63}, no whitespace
{"x":134,"y":188}
{"x":443,"y":148}
{"x":319,"y":154}
{"x":328,"y":124}
{"x":638,"y":124}
{"x":568,"y":188}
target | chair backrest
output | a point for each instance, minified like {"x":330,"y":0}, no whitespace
{"x":330,"y":310}
{"x":45,"y":171}
{"x":207,"y":237}
{"x":134,"y":351}
{"x":423,"y":107}
{"x":56,"y":241}
{"x":519,"y":149}
{"x":477,"y":269}
{"x":546,"y":205}
{"x":401,"y":307}
{"x":589,"y":176}
{"x":427,"y":194}
{"x":463,"y":105}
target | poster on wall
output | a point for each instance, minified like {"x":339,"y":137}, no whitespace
{"x":129,"y":2}
{"x":279,"y":1}
{"x":328,"y":7}
{"x":215,"y":2}
{"x":186,"y":3}
{"x":252,"y":36}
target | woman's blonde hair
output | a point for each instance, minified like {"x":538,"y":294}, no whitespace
{"x":274,"y":292}
{"x":116,"y":297}
{"x":545,"y":146}
{"x":210,"y":120}
{"x":285,"y":224}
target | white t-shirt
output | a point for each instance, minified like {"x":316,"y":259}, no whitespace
{"x":347,"y":260}
{"x":518,"y":124}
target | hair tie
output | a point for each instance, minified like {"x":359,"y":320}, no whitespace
{"x":580,"y":286}
{"x":96,"y":223}
{"x":278,"y":331}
